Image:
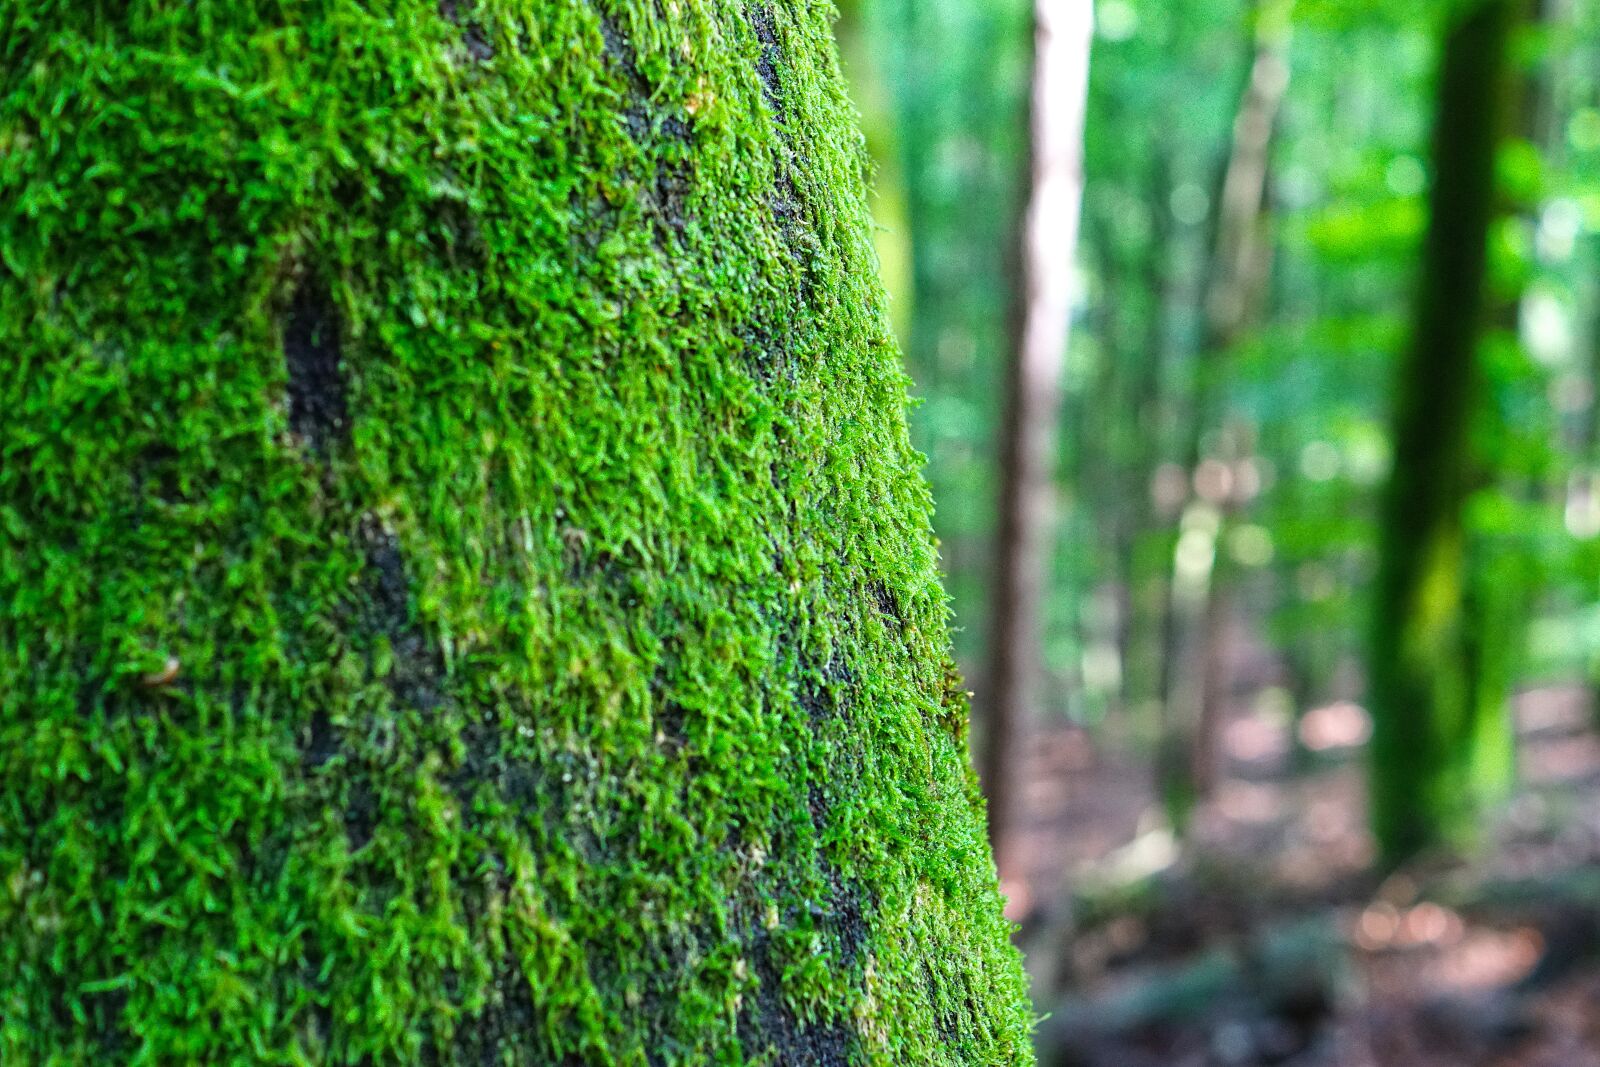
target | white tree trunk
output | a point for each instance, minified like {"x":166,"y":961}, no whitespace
{"x":1064,"y":30}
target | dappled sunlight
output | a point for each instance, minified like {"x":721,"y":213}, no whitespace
{"x":1335,"y":726}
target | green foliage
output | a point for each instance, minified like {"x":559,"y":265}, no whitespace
{"x":1299,"y":404}
{"x":466,"y":592}
{"x":1307,"y":390}
{"x":955,"y":74}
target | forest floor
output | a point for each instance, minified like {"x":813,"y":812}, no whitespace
{"x":1265,"y":939}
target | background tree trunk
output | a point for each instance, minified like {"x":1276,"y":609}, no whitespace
{"x":1440,"y":749}
{"x":1028,"y":443}
{"x":1240,"y":262}
{"x":467,"y":591}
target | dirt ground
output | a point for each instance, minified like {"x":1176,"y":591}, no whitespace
{"x":1266,"y":941}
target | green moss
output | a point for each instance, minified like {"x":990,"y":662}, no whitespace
{"x":490,"y":408}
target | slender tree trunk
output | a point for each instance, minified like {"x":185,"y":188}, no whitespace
{"x":465,"y":593}
{"x":1063,"y":32}
{"x":1152,"y":554}
{"x":1240,"y":264}
{"x":1439,"y":749}
{"x":1107,"y":451}
{"x":1583,"y":487}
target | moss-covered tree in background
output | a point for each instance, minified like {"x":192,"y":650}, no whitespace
{"x":466,"y":595}
{"x":1442,"y":742}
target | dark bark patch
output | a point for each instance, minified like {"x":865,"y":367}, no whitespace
{"x":520,"y":785}
{"x":841,"y":913}
{"x":797,"y":233}
{"x":846,"y":918}
{"x":672,"y":720}
{"x":817,"y":803}
{"x":413,"y":670}
{"x":620,"y":53}
{"x":104,"y":1012}
{"x":464,"y":245}
{"x":507,"y":1022}
{"x":156,"y":473}
{"x":477,"y":43}
{"x":478,"y":46}
{"x":947,"y":1023}
{"x":481,"y":762}
{"x":671,"y":717}
{"x":318,"y":409}
{"x":263,"y":864}
{"x":887,"y":603}
{"x":417,"y":670}
{"x":360,"y":814}
{"x":766,"y":1025}
{"x":384,"y":579}
{"x":826,"y":1045}
{"x":825,"y":695}
{"x":674,"y":177}
{"x":606,"y":573}
{"x":814,"y":699}
{"x":785,"y":203}
{"x":668,"y":142}
{"x":319,"y":1026}
{"x":637,"y":120}
{"x":830,"y":903}
{"x":665,"y":139}
{"x":505,"y":1030}
{"x":768,"y":358}
{"x":593,"y":221}
{"x":771,"y":58}
{"x":620,"y":50}
{"x":672,"y":196}
{"x":322,"y":740}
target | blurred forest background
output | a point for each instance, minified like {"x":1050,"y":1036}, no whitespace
{"x":1267,"y":475}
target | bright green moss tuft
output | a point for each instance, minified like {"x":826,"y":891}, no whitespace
{"x":489,"y":406}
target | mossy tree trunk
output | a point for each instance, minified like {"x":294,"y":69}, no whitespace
{"x":1442,"y":743}
{"x":466,"y":593}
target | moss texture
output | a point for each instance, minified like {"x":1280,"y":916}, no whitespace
{"x":466,"y":594}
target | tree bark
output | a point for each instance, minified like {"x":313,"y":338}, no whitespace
{"x":1063,"y":32}
{"x":466,"y":591}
